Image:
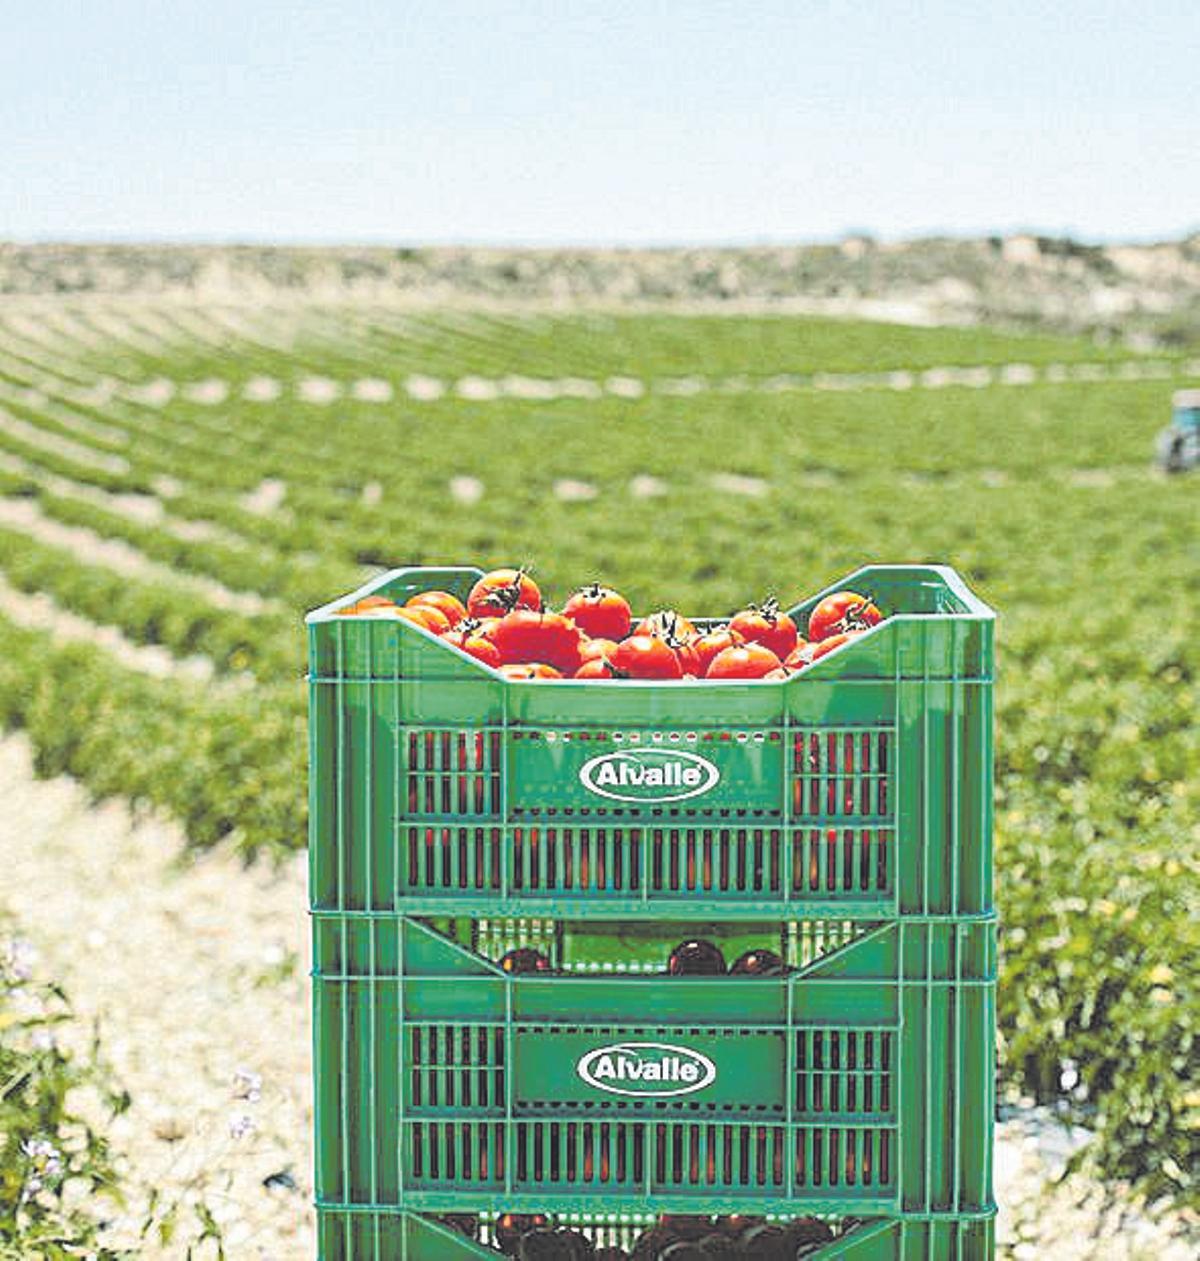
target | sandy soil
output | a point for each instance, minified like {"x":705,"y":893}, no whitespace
{"x":195,"y":972}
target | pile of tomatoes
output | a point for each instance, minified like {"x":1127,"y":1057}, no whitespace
{"x":505,"y":625}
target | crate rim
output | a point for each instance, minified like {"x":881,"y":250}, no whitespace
{"x":975,"y":610}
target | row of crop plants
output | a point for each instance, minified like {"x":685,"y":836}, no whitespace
{"x":189,"y":342}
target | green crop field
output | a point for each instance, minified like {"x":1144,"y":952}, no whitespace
{"x":198,"y":476}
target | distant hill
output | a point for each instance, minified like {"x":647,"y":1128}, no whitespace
{"x":1149,"y":293}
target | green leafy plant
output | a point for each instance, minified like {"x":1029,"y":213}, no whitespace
{"x":56,"y":1169}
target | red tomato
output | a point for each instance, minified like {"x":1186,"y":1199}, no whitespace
{"x":834,"y":641}
{"x":712,"y":642}
{"x":749,"y":661}
{"x":376,"y":610}
{"x":666,"y":624}
{"x":501,"y":591}
{"x":599,"y":611}
{"x":368,"y":602}
{"x":646,"y":657}
{"x":485,"y":626}
{"x":474,"y":645}
{"x":524,"y":636}
{"x":531,"y":670}
{"x":590,"y":649}
{"x":598,"y":668}
{"x":842,"y":611}
{"x":423,"y":615}
{"x":450,"y":605}
{"x":800,"y":656}
{"x":689,"y":658}
{"x":775,"y":675}
{"x":543,"y":671}
{"x":765,"y":624}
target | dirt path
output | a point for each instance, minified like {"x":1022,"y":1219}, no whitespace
{"x":197,"y":975}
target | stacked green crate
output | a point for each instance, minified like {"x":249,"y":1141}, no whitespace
{"x":841,"y":818}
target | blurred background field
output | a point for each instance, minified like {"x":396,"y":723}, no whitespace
{"x":185,"y":470}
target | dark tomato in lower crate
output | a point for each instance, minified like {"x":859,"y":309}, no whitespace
{"x":548,"y":1244}
{"x":757,"y":963}
{"x":524,"y":959}
{"x":686,"y":1225}
{"x":767,"y":1241}
{"x":696,"y":958}
{"x":737,"y":1224}
{"x":809,"y":1233}
{"x":716,"y":1247}
{"x":683,"y":1250}
{"x":464,"y":1223}
{"x":650,"y":1243}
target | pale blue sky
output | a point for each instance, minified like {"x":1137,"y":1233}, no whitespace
{"x":619,"y":121}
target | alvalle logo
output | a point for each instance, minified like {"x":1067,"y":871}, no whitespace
{"x":653,"y":1069}
{"x":649,"y":775}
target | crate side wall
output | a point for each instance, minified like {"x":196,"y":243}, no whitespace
{"x":862,"y":1081}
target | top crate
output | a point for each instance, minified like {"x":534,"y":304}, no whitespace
{"x":861,"y":788}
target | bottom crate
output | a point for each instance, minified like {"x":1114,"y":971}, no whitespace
{"x":390,"y":1235}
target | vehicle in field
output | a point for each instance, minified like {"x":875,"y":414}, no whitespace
{"x":1178,"y":447}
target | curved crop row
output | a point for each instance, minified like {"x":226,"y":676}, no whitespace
{"x":154,"y":613}
{"x":230,"y":769}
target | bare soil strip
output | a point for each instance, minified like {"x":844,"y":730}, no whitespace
{"x":39,"y":612}
{"x":27,"y":516}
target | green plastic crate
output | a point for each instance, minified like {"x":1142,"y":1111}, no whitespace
{"x":859,"y":1084}
{"x":861,"y":787}
{"x":848,"y":810}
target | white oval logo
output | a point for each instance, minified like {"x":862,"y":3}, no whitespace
{"x":649,"y":775}
{"x":653,"y":1069}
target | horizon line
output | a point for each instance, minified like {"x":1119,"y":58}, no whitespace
{"x":250,"y":241}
